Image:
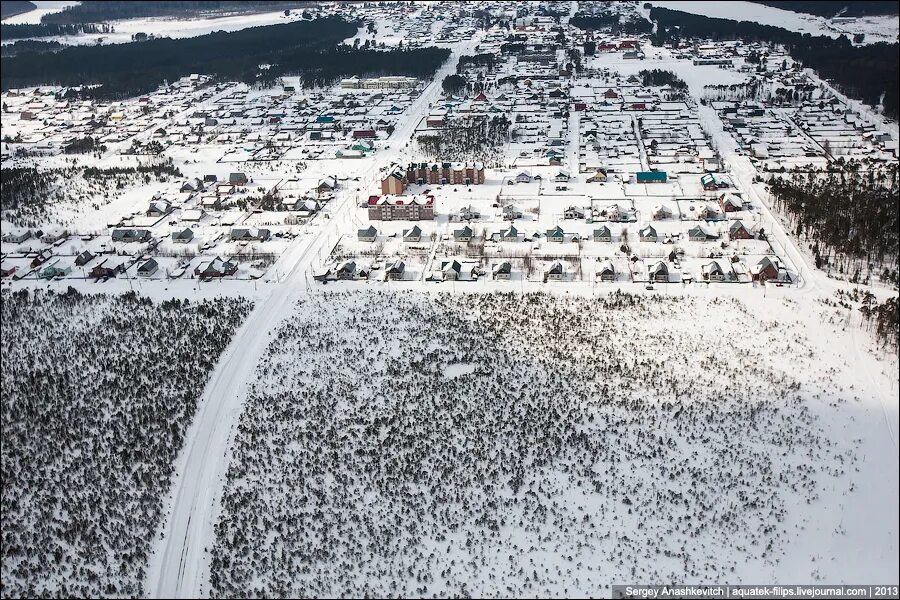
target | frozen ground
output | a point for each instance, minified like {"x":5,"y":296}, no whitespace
{"x":876,"y":29}
{"x":507,"y":445}
{"x":170,"y":27}
{"x":44,"y":7}
{"x":97,"y":394}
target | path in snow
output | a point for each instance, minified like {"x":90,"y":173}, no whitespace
{"x":179,"y":567}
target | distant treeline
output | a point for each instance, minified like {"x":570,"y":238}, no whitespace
{"x":856,"y":8}
{"x":612,"y":22}
{"x":98,"y":12}
{"x":864,"y":72}
{"x":28,"y":46}
{"x":326,"y":67}
{"x":849,"y":216}
{"x":11,"y":8}
{"x":304,"y":48}
{"x":30,"y":30}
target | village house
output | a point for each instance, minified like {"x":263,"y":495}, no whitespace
{"x":396,"y":270}
{"x":368,"y":234}
{"x":738,"y":231}
{"x":764,"y":270}
{"x":711,"y":212}
{"x":602,"y":234}
{"x":192,"y":185}
{"x":618,"y":213}
{"x":573,"y":212}
{"x":730,"y":203}
{"x":54,"y":234}
{"x":348,"y":270}
{"x":599,"y":176}
{"x":556,"y":235}
{"x":84,"y":258}
{"x":555,"y":272}
{"x":237,"y":179}
{"x":466,"y":213}
{"x":511,"y":213}
{"x":17,"y":236}
{"x":650,"y":177}
{"x":712,"y":271}
{"x":662,"y":212}
{"x":51,"y":271}
{"x":108,"y":268}
{"x":659,"y":272}
{"x":182,"y":237}
{"x":648,"y":234}
{"x":127,"y":236}
{"x":462,"y":235}
{"x":606,"y":271}
{"x":253,"y":234}
{"x":326,"y":185}
{"x":510,"y":234}
{"x":159,"y":208}
{"x":502,"y":270}
{"x":699,"y":233}
{"x":147,"y":268}
{"x":450,"y":270}
{"x":412,"y":235}
{"x":215,"y":268}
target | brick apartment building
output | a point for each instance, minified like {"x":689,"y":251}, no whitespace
{"x":401,"y":208}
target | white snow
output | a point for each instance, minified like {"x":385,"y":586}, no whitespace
{"x":876,"y":29}
{"x":44,"y":7}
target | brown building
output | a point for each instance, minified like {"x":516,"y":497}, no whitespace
{"x":401,"y":208}
{"x":393,"y":184}
{"x":445,"y":173}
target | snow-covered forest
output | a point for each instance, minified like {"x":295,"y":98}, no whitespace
{"x":97,"y":394}
{"x":520,"y":445}
{"x":850,"y":218}
{"x":468,"y":140}
{"x":31,"y":195}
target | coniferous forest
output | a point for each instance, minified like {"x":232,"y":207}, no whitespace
{"x":868,"y":72}
{"x":612,"y":21}
{"x":306,"y":48}
{"x":850,"y":217}
{"x":29,"y":30}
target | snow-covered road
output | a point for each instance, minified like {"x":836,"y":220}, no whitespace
{"x":179,"y":567}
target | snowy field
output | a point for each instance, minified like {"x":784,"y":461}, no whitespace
{"x":97,"y":394}
{"x":876,"y":29}
{"x":170,"y":27}
{"x":44,"y":7}
{"x":507,"y":445}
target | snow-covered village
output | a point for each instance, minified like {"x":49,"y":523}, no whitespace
{"x":263,"y":261}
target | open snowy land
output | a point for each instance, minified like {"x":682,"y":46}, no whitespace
{"x":534,"y":445}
